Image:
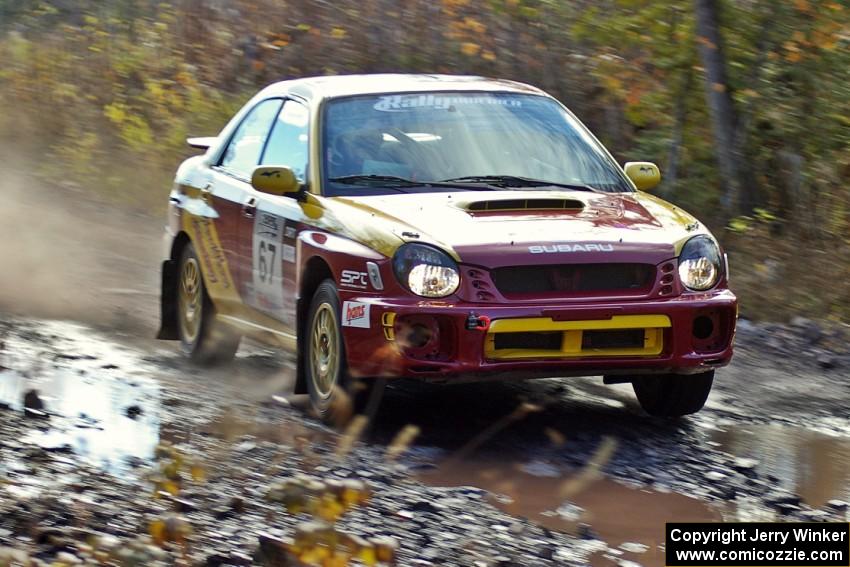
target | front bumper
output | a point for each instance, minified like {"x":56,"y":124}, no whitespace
{"x":687,"y":334}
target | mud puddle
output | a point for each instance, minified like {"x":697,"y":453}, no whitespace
{"x":232,"y":427}
{"x":630,"y":520}
{"x":108,"y":422}
{"x":812,"y":465}
{"x":85,"y":405}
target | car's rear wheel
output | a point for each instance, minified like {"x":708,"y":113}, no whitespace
{"x":202,"y":338}
{"x":333,"y":394}
{"x":673,"y":395}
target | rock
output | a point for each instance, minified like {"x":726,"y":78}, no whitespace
{"x":183,"y":505}
{"x":584,"y":531}
{"x":65,"y":558}
{"x":570,"y":512}
{"x":814,"y":515}
{"x":32,"y":401}
{"x":133,"y":411}
{"x":273,"y":550}
{"x":545,"y":552}
{"x":783,"y":498}
{"x":714,"y":476}
{"x":10,"y":556}
{"x":424,"y":506}
{"x":216,"y":560}
{"x":828,"y":361}
{"x":745,"y":465}
{"x":810,"y":330}
{"x":744,"y":326}
{"x":634,"y":547}
{"x":837,"y":505}
{"x":240,"y":559}
{"x":786,"y":509}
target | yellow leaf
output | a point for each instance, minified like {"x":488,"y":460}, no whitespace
{"x":199,"y":474}
{"x":470,"y":49}
{"x":157,"y":531}
{"x":802,"y":5}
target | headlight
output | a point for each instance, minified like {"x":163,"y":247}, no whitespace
{"x":425,"y":270}
{"x":700,"y":264}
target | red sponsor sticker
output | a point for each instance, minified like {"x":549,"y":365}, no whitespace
{"x":355,"y":314}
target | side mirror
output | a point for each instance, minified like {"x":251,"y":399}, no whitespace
{"x":275,"y":180}
{"x":645,"y":175}
{"x":202,"y":143}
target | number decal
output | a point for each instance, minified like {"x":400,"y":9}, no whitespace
{"x":267,"y":265}
{"x":267,"y":255}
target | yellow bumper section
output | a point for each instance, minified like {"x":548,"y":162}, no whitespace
{"x":572,"y":343}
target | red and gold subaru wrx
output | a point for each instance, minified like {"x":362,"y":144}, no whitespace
{"x":440,"y":227}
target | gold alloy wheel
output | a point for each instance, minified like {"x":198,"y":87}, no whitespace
{"x":324,"y":351}
{"x":190,"y":300}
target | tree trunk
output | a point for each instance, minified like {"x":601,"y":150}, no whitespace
{"x":680,"y":115}
{"x":735,"y":197}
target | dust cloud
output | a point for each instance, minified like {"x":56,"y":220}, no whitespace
{"x":65,"y":255}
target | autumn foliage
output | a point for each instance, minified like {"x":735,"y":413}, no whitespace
{"x":102,"y":94}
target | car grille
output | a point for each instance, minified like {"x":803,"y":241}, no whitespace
{"x":546,"y":338}
{"x":566,"y":279}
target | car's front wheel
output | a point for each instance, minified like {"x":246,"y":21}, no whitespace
{"x":673,"y":395}
{"x":333,"y":394}
{"x":204,"y":339}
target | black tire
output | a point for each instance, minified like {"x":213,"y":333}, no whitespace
{"x":673,"y":395}
{"x":204,"y":339}
{"x":334,"y":395}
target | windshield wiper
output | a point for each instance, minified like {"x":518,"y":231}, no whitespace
{"x":373,"y":180}
{"x":516,"y":181}
{"x":394,"y":182}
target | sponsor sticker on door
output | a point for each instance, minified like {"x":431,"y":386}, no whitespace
{"x":355,"y":314}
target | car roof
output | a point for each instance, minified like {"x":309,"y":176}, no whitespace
{"x":314,"y":88}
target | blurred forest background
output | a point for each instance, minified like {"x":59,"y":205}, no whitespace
{"x":744,"y":104}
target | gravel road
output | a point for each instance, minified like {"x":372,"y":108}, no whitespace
{"x":113,"y":448}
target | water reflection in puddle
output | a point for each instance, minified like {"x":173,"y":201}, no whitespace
{"x":105,"y":420}
{"x":812,"y":465}
{"x":617,"y":513}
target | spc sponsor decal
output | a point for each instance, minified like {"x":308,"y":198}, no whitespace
{"x":267,"y":250}
{"x":353,"y":278}
{"x":555,"y":248}
{"x":355,"y":314}
{"x":404,"y":103}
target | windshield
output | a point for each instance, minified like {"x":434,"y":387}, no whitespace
{"x":467,"y":138}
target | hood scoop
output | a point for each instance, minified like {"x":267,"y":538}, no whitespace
{"x":523,"y":205}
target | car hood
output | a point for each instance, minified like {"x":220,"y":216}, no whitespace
{"x":518,"y":227}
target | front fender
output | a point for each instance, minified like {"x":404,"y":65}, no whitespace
{"x":345,"y":258}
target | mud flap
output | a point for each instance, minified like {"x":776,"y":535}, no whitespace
{"x":301,"y":307}
{"x":168,"y":302}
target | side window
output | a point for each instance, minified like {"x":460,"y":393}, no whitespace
{"x":243,"y":153}
{"x":288,"y":142}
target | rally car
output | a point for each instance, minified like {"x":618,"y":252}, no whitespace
{"x":447,"y":228}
